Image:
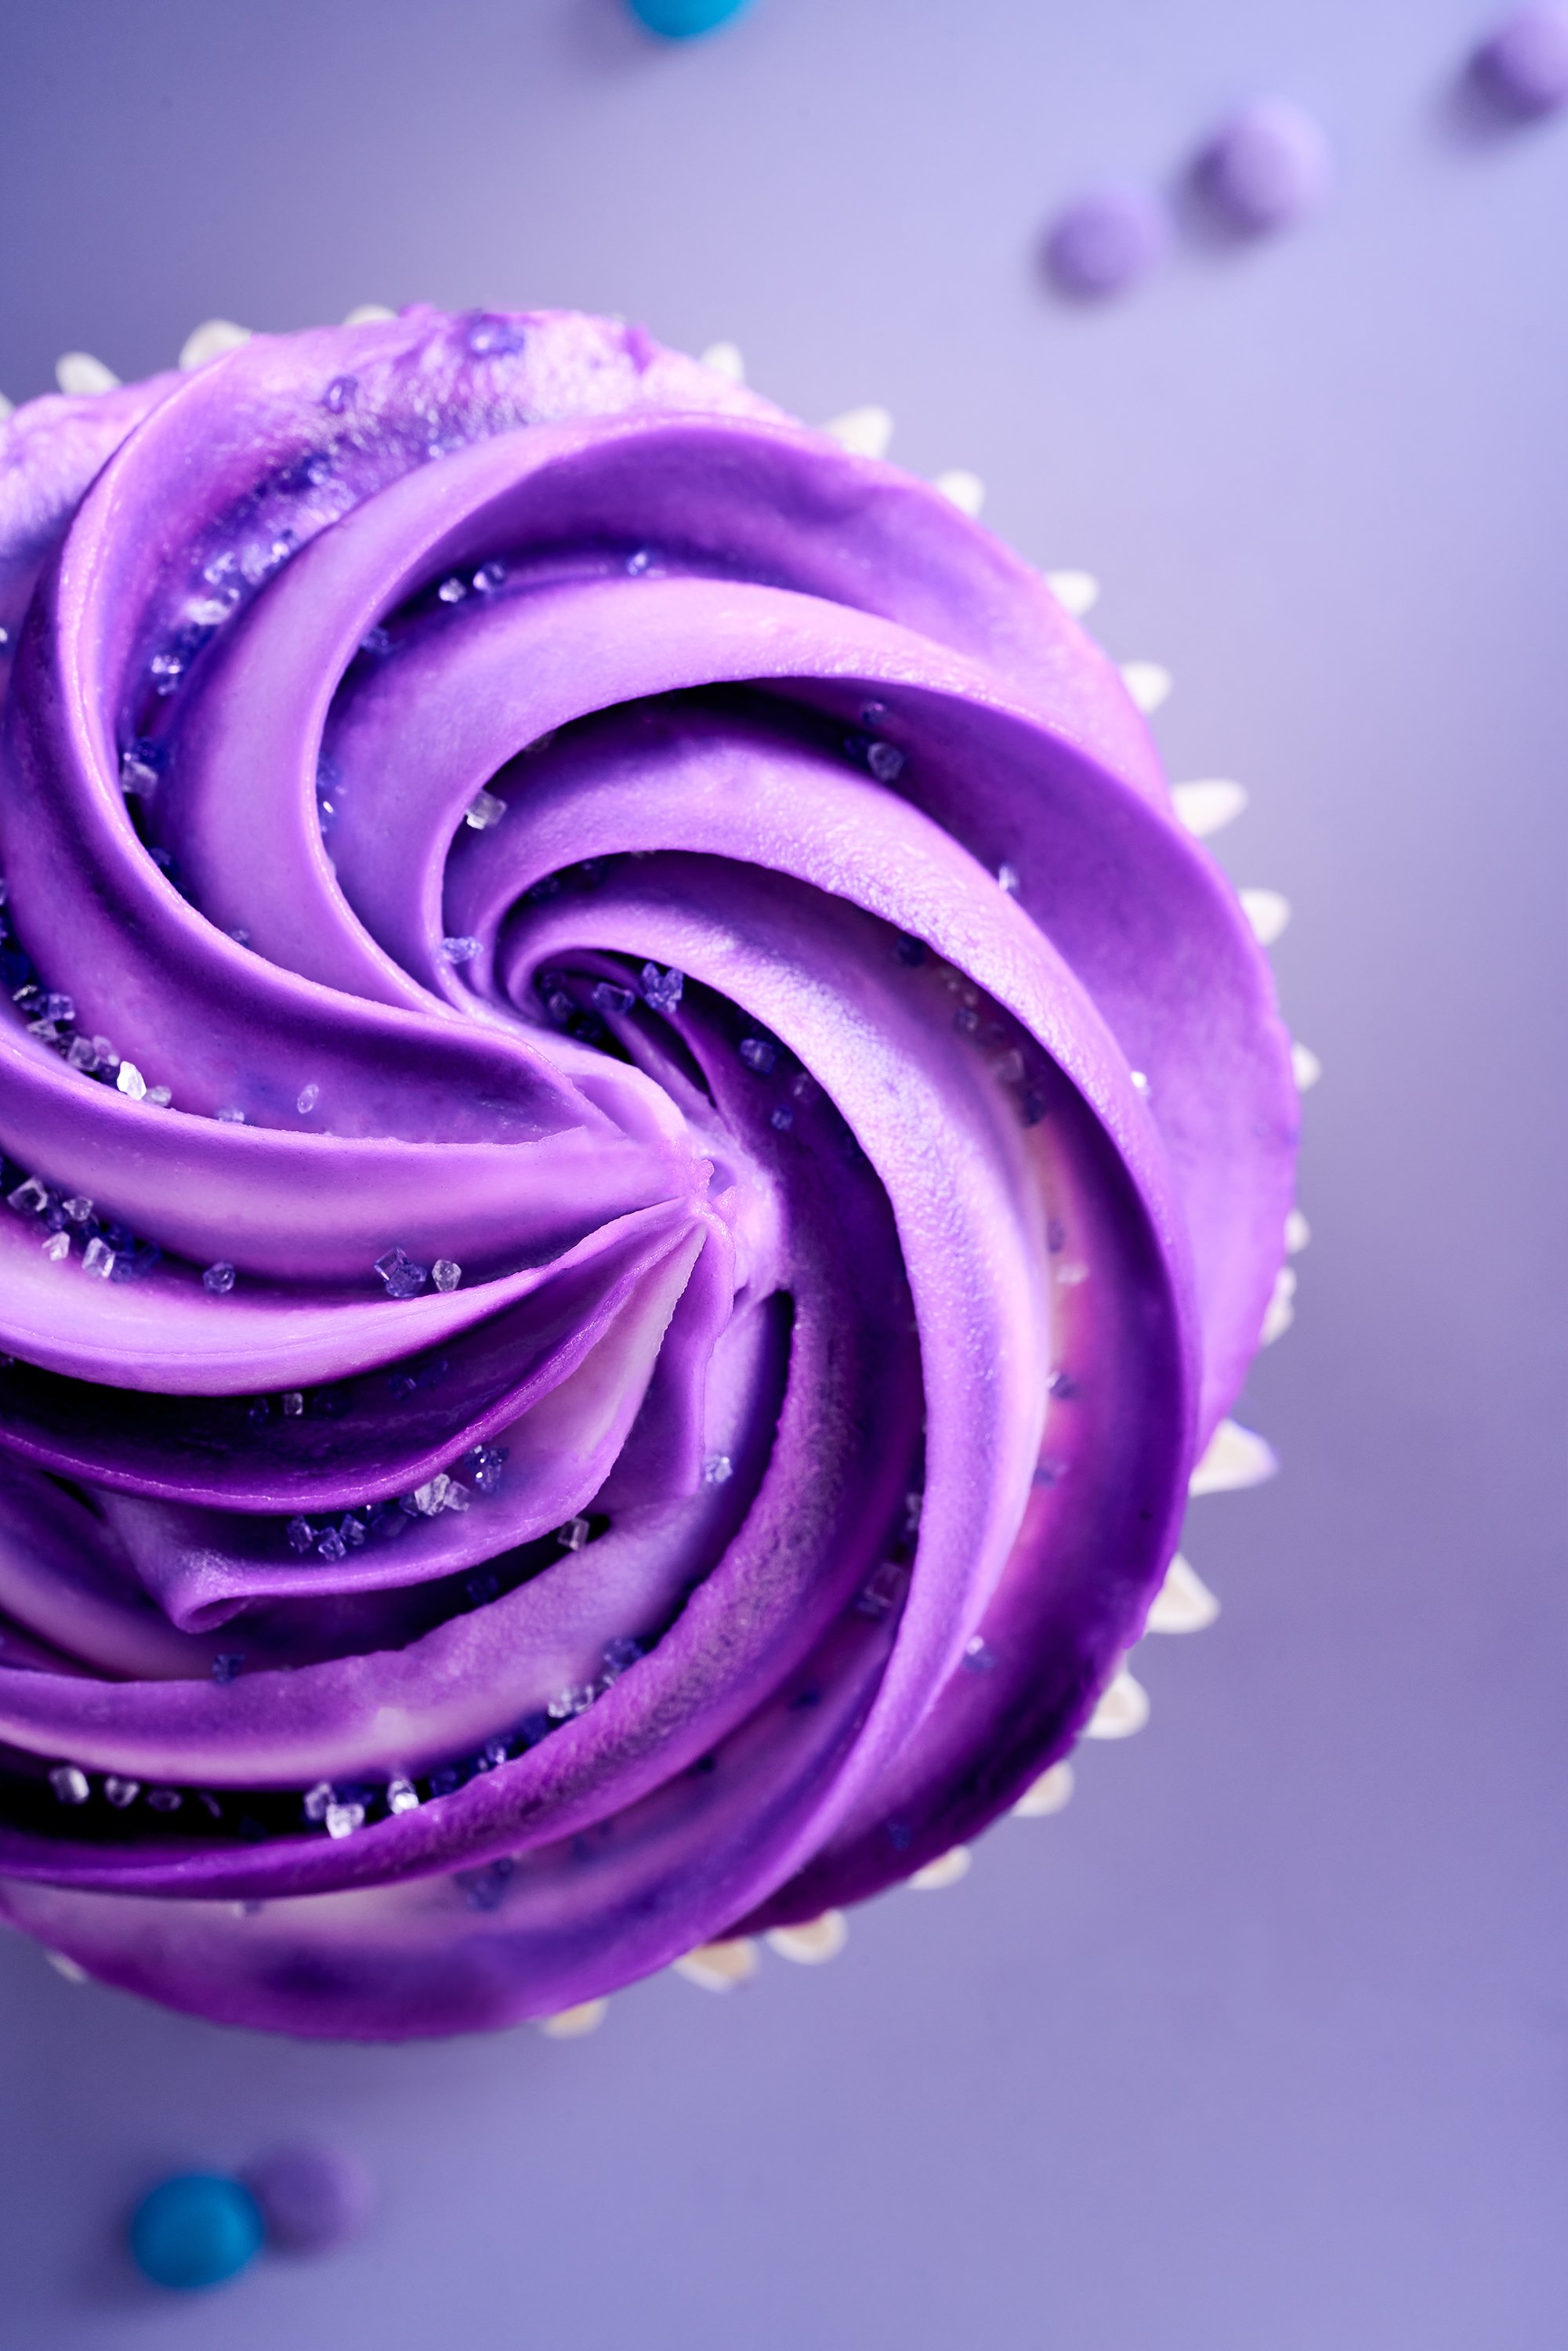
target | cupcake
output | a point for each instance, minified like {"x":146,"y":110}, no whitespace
{"x":638,"y":1159}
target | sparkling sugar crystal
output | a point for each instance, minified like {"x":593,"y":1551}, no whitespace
{"x":402,"y":1277}
{"x":661,"y":989}
{"x":485,"y":808}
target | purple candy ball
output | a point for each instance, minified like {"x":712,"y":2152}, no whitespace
{"x":1268,"y":166}
{"x":1525,"y":61}
{"x":1106,"y":241}
{"x":312,"y":2196}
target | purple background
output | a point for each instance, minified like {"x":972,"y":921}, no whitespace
{"x":1260,"y":2046}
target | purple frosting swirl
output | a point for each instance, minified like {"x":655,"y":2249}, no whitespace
{"x":637,"y":1154}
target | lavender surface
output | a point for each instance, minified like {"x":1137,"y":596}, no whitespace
{"x":1260,"y":2042}
{"x":717,"y":1155}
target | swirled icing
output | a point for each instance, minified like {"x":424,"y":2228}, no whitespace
{"x":638,"y":1154}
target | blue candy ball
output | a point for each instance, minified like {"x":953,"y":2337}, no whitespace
{"x":196,"y":2230}
{"x":683,"y":20}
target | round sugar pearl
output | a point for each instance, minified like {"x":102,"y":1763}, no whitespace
{"x":683,"y":20}
{"x":196,"y":2230}
{"x":1104,"y":242}
{"x":1525,"y":61}
{"x":311,"y":2196}
{"x":1268,"y":166}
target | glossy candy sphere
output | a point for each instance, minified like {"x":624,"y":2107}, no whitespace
{"x":1104,"y":242}
{"x":1525,"y":61}
{"x":683,"y":20}
{"x":194,"y":2230}
{"x":1268,"y":166}
{"x":311,"y":2196}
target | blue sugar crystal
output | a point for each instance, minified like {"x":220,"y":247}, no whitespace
{"x":491,"y":338}
{"x":483,"y":1464}
{"x":485,"y":1889}
{"x":402,"y":1277}
{"x":662,"y":989}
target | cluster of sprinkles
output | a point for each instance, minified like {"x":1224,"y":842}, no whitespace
{"x":402,"y":1276}
{"x":560,"y":993}
{"x":334,"y":1537}
{"x":109,"y":1251}
{"x":50,"y":1015}
{"x":337,"y":1809}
